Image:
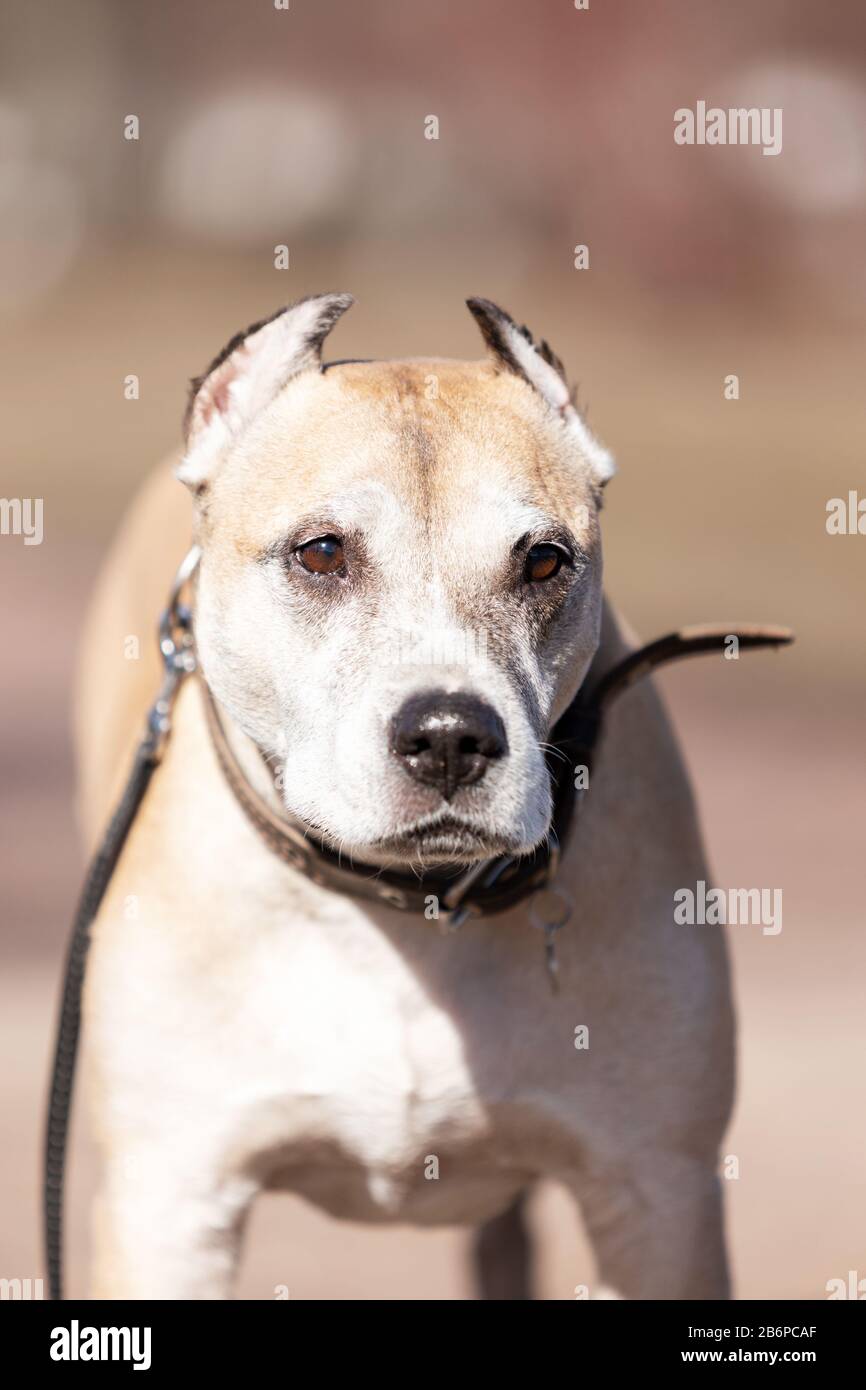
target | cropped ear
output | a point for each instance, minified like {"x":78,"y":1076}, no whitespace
{"x":248,"y":374}
{"x":515,"y":350}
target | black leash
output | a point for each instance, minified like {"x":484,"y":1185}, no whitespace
{"x":575,"y":736}
{"x":175,"y":642}
{"x":69,"y":1020}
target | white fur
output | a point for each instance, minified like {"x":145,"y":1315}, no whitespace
{"x":548,"y":382}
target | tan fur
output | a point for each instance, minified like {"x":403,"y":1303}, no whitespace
{"x":247,"y":1029}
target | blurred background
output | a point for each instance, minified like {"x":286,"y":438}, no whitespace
{"x":304,"y":127}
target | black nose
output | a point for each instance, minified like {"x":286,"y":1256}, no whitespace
{"x":447,"y":741}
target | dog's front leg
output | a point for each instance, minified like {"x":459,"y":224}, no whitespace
{"x":167,"y":1229}
{"x":656,"y":1228}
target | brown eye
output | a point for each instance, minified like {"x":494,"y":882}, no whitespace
{"x":322,"y":556}
{"x":542,"y":562}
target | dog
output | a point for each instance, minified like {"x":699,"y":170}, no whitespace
{"x":250,"y":1029}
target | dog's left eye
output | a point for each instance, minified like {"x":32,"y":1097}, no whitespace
{"x":543,"y":562}
{"x":322,"y":556}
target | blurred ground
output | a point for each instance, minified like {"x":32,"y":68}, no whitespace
{"x":305,"y":127}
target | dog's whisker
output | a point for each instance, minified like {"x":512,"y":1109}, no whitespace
{"x":552,"y":750}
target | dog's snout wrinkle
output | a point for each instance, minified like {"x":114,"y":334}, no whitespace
{"x":447,"y":741}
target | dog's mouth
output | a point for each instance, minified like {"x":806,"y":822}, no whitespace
{"x":441,"y":840}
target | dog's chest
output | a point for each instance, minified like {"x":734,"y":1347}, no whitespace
{"x":362,"y":1077}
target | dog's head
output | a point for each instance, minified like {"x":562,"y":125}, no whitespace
{"x":400,"y":584}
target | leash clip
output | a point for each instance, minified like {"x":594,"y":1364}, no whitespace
{"x":178,"y":655}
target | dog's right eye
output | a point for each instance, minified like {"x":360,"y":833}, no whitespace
{"x":323,"y":555}
{"x":543,"y":562}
